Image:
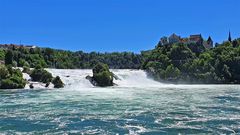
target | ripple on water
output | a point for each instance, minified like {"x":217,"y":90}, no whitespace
{"x":164,"y":110}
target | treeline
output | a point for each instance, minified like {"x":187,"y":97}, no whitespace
{"x":192,"y":63}
{"x":60,"y":59}
{"x":174,"y":63}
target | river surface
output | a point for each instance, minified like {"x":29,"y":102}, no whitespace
{"x":137,"y":105}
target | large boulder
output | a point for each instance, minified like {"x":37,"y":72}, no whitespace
{"x":57,"y":82}
{"x":41,"y":75}
{"x":101,"y":76}
{"x":91,"y":80}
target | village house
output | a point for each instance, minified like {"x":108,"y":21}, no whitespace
{"x":30,"y":46}
{"x":4,"y":46}
{"x":7,"y":46}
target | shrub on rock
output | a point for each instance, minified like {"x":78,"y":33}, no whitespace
{"x":102,"y":76}
{"x":14,"y":82}
{"x":14,"y":64}
{"x":57,"y":82}
{"x":16,"y":72}
{"x":26,"y":70}
{"x":11,"y":78}
{"x":46,"y":77}
{"x":41,"y":75}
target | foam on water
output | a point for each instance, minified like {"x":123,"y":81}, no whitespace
{"x":73,"y":78}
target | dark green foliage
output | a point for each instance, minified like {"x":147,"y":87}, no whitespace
{"x":52,"y":58}
{"x":26,"y":70}
{"x":196,"y":48}
{"x":23,"y":63}
{"x":57,"y":82}
{"x":26,"y":67}
{"x":102,"y":75}
{"x":14,"y":82}
{"x":2,"y":54}
{"x":41,"y":75}
{"x":14,"y":64}
{"x":184,"y":63}
{"x":16,"y":72}
{"x":11,"y":78}
{"x":3,"y":72}
{"x":9,"y":57}
{"x":172,"y":73}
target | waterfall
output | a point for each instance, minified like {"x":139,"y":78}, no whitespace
{"x":127,"y":78}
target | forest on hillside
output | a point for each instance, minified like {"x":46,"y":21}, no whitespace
{"x":192,"y":63}
{"x":61,"y":59}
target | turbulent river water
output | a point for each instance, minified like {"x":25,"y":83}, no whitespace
{"x":137,"y":105}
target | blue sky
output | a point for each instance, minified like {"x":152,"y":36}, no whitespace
{"x":114,"y":25}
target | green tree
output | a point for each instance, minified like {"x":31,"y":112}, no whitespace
{"x":2,"y":54}
{"x":9,"y":57}
{"x":3,"y":72}
{"x":172,"y":73}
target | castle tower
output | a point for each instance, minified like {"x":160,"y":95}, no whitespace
{"x":229,"y":37}
{"x":210,"y":42}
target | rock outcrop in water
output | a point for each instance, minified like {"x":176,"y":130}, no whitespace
{"x":101,"y":76}
{"x":57,"y":82}
{"x":11,"y":78}
{"x":42,"y":77}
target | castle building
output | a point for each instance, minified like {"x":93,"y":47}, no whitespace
{"x":196,"y":39}
{"x":164,"y":40}
{"x":209,"y":42}
{"x":174,"y":39}
{"x":184,"y":40}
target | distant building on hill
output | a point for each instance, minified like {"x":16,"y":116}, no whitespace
{"x":31,"y":46}
{"x":4,"y":46}
{"x":197,"y":39}
{"x":184,"y":40}
{"x":164,"y":40}
{"x":8,"y":46}
{"x":208,"y":43}
{"x":174,"y":39}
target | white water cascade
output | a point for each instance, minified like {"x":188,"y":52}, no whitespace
{"x":127,"y":78}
